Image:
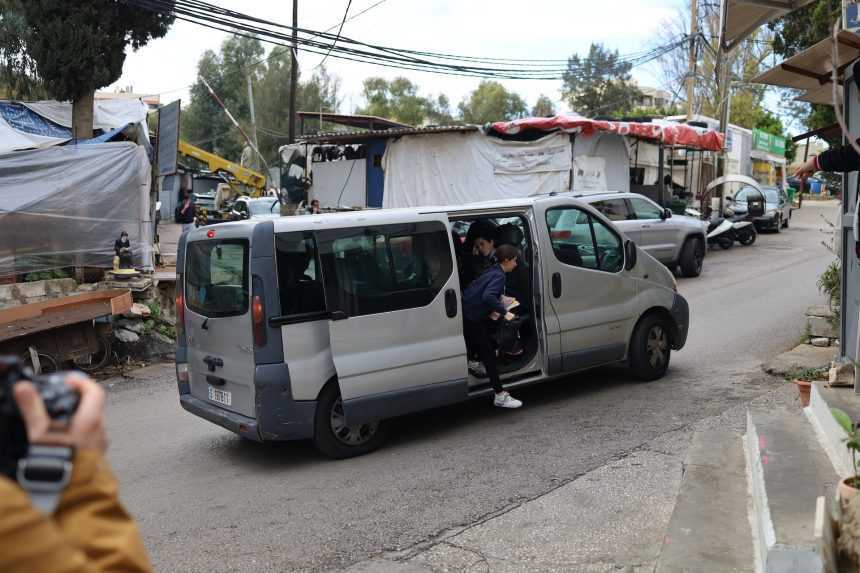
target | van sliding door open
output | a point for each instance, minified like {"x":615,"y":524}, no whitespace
{"x":396,"y":326}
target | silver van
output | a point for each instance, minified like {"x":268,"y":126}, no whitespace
{"x":324,"y":327}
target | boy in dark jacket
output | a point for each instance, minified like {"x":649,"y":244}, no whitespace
{"x":482,"y":302}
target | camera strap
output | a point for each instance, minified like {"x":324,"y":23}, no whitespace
{"x":44,"y":473}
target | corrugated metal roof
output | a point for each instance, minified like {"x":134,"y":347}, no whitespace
{"x":359,"y":136}
{"x":743,"y":17}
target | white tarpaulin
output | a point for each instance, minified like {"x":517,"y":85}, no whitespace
{"x":107,"y":114}
{"x":65,"y":206}
{"x":601,"y":163}
{"x":457,"y":168}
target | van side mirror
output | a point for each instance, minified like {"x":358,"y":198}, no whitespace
{"x":629,"y":255}
{"x":666,"y":214}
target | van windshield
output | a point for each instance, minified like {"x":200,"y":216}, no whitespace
{"x":216,"y":283}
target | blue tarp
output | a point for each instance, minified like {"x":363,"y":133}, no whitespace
{"x":24,"y":119}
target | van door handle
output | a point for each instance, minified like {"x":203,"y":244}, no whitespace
{"x":213,"y":362}
{"x":450,"y":303}
{"x":556,"y":285}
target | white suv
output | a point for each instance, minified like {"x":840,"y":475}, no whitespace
{"x":674,"y":240}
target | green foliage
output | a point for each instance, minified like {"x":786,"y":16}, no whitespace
{"x":543,"y":107}
{"x":80,"y":46}
{"x":491,"y":102}
{"x":798,"y":31}
{"x":399,"y":100}
{"x":46,"y":275}
{"x":830,"y":282}
{"x":648,"y":112}
{"x":599,"y":83}
{"x":155,"y":312}
{"x":852,"y":439}
{"x":18,"y":78}
{"x":807,"y":374}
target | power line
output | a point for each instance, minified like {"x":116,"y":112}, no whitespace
{"x":212,"y":16}
{"x":339,"y":30}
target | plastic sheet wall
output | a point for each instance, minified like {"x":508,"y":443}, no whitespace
{"x":65,"y":206}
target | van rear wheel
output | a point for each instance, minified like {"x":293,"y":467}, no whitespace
{"x":651,"y":348}
{"x":334,"y":438}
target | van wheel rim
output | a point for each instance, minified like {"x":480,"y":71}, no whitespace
{"x":657,"y":346}
{"x":355,"y":435}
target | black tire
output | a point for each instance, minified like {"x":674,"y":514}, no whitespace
{"x":650,"y":348}
{"x":747,"y":239}
{"x":692,"y":257}
{"x":725,"y":243}
{"x":100,"y":358}
{"x":343,"y":441}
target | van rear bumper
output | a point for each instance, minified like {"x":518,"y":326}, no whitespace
{"x":681,"y":314}
{"x":236,"y":423}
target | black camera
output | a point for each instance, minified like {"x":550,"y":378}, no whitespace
{"x":60,"y":403}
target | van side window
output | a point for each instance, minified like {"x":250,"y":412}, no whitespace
{"x":387,"y":268}
{"x":580,"y":240}
{"x":299,"y":281}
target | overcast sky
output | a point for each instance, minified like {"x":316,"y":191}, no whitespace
{"x":550,"y":29}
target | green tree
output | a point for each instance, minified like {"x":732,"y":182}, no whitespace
{"x":599,"y":83}
{"x":543,"y":107}
{"x":796,"y":32}
{"x":204,"y":123}
{"x":399,"y":100}
{"x":18,"y":77}
{"x":79,"y":46}
{"x":491,"y":102}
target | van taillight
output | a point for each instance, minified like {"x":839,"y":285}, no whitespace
{"x":180,"y":308}
{"x":258,"y":315}
{"x":560,"y":234}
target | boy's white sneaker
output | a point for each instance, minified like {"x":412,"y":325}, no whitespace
{"x":505,"y":400}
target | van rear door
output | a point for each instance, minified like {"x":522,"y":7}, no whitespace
{"x":396,"y":330}
{"x":218,"y":319}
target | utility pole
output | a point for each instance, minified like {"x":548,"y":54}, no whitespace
{"x":253,"y":115}
{"x":691,"y":77}
{"x":294,"y":72}
{"x":724,"y":88}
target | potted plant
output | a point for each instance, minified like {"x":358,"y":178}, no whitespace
{"x":803,"y":379}
{"x":849,"y":486}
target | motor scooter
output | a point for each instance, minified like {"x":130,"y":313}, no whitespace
{"x":720,"y":230}
{"x":743,"y":228}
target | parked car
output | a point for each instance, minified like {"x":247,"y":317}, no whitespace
{"x":674,"y":240}
{"x":256,"y":208}
{"x":324,"y":327}
{"x":777,"y":208}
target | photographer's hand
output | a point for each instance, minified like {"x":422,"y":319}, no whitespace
{"x":86,"y":429}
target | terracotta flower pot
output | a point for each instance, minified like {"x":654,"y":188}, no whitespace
{"x":845,"y":491}
{"x":804,"y":387}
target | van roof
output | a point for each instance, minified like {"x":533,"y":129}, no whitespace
{"x":382,"y":216}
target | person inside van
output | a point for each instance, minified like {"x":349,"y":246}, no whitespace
{"x":481,"y":246}
{"x":482,"y":305}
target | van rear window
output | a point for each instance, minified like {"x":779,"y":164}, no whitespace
{"x":216,"y":277}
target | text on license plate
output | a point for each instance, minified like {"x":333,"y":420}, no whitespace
{"x":220,"y":396}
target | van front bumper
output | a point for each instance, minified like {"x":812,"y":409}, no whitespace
{"x":681,"y":314}
{"x":236,"y":423}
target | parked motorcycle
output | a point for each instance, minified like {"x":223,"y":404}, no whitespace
{"x":743,"y":228}
{"x":724,"y":231}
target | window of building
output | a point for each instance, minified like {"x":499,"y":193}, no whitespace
{"x":387,"y":268}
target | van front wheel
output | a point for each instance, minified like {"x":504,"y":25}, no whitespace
{"x":651,"y":348}
{"x":334,"y":438}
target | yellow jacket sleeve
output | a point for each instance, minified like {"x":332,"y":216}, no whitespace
{"x":89,"y":533}
{"x":93,"y":520}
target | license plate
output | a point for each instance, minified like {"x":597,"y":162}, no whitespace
{"x":220,"y":396}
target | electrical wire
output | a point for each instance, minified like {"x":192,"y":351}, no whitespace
{"x":339,"y":30}
{"x":214,"y":17}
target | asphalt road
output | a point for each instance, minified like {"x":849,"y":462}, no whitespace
{"x":207,"y":500}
